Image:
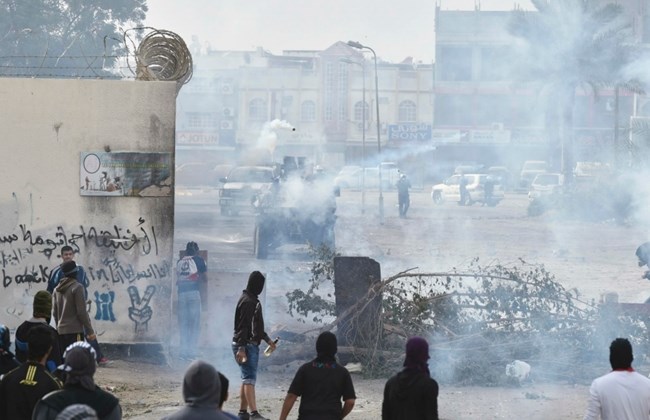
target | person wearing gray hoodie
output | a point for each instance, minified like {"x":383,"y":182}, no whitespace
{"x":69,"y":309}
{"x":202,"y":394}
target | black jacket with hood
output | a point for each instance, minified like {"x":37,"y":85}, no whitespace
{"x":412,"y":395}
{"x":249,"y":321}
{"x":201,"y":392}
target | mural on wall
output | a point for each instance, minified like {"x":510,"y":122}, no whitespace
{"x":140,"y":312}
{"x":122,"y":264}
{"x":125,"y":174}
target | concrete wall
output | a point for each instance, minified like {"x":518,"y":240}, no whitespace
{"x":44,"y":126}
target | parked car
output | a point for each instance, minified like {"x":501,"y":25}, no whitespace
{"x":592,"y":170}
{"x":530,"y":170}
{"x":450,"y":190}
{"x":197,"y":183}
{"x":353,"y":177}
{"x":502,"y":175}
{"x":241,"y":186}
{"x":546,"y":184}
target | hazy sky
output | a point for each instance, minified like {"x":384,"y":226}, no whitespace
{"x":394,"y":30}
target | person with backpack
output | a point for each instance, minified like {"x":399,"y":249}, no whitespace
{"x":190,"y":273}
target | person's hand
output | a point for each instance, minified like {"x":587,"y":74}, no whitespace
{"x":272,"y":344}
{"x":240,"y":357}
{"x":91,"y":337}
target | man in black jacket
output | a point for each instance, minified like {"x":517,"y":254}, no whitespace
{"x":412,"y":393}
{"x":249,"y":332}
{"x":21,"y":388}
{"x":79,"y":388}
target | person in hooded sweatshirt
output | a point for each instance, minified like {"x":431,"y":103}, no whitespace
{"x":70,"y":314}
{"x":412,"y":393}
{"x":249,"y":333}
{"x":79,"y":388}
{"x":8,"y":361}
{"x":321,"y":385}
{"x":202,"y":394}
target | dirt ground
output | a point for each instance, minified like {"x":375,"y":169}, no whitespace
{"x":595,"y":258}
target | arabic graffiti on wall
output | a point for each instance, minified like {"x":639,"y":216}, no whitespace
{"x":122,"y":264}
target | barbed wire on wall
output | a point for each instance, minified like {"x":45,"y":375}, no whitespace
{"x":159,"y":55}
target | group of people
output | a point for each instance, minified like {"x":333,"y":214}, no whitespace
{"x":52,"y":369}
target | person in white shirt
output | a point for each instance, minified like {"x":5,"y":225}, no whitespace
{"x":622,"y":394}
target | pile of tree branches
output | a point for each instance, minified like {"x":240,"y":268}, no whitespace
{"x":477,"y":320}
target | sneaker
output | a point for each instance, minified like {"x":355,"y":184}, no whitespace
{"x":257,"y":416}
{"x":103,"y":361}
{"x":243,"y":415}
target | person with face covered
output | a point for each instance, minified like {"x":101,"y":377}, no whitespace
{"x":202,"y":394}
{"x":249,"y":333}
{"x":7,"y":359}
{"x":321,"y":385}
{"x":79,"y":388}
{"x":412,"y":393}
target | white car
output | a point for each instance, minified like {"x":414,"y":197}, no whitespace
{"x":530,"y":170}
{"x":368,"y":177}
{"x":545,"y":185}
{"x":450,"y":190}
{"x":241,"y":186}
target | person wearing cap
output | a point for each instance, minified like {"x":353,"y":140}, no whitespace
{"x":412,"y":393}
{"x":69,"y":304}
{"x":249,"y":333}
{"x":67,"y":254}
{"x":321,"y":385}
{"x":21,"y":388}
{"x":201,"y":393}
{"x":41,"y":314}
{"x":621,"y":394}
{"x":7,"y":359}
{"x":79,"y":388}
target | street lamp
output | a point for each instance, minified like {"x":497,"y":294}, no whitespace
{"x":360,"y":46}
{"x":363,"y":135}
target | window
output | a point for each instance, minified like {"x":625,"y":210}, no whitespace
{"x":455,"y":63}
{"x":308,"y":111}
{"x":257,"y":109}
{"x":359,"y":108}
{"x":201,"y":119}
{"x":407,"y":112}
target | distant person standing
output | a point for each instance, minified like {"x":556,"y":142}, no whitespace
{"x":70,"y":313}
{"x":403,"y":198}
{"x":249,"y":333}
{"x":321,"y":385}
{"x":488,"y":189}
{"x":412,"y":394}
{"x":67,"y":254}
{"x":190,"y":273}
{"x":622,"y":394}
{"x":464,"y":195}
{"x":24,"y":386}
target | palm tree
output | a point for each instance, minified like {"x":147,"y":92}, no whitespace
{"x":566,"y":45}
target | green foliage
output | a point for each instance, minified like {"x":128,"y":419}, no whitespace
{"x":304,"y":304}
{"x":68,"y":38}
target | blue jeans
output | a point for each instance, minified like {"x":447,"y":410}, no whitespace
{"x":189,"y":322}
{"x":249,"y":367}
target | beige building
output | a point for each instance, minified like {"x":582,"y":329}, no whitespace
{"x":233,"y":97}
